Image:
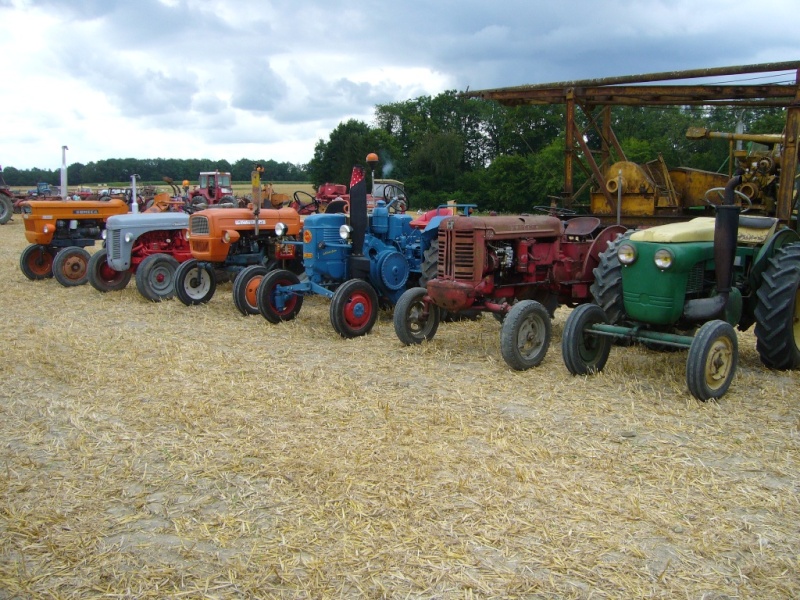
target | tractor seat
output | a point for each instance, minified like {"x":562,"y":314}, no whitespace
{"x":338,"y":206}
{"x":756,"y":230}
{"x":581,"y":226}
{"x":752,"y":230}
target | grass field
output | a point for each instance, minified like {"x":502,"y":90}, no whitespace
{"x":158,"y":450}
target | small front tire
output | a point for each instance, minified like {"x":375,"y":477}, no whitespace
{"x":245,"y":289}
{"x":36,"y":262}
{"x":354,"y":308}
{"x":414,"y":319}
{"x":102,"y":277}
{"x":156,"y":276}
{"x":71,"y":266}
{"x":268,"y":306}
{"x":525,"y":335}
{"x":584,"y":352}
{"x":194,"y":283}
{"x":712,"y":360}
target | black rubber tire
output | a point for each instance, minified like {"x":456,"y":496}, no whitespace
{"x":584,"y":353}
{"x":6,"y":209}
{"x":354,"y":308}
{"x":194,"y":284}
{"x":71,"y":266}
{"x":712,"y":360}
{"x":525,"y":335}
{"x":410,"y":325}
{"x":102,"y":277}
{"x":156,"y":276}
{"x":607,"y":287}
{"x":245,"y":289}
{"x":36,"y":262}
{"x":778,"y":310}
{"x":266,"y":303}
{"x":430,"y":263}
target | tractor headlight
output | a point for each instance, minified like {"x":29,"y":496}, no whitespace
{"x":281,"y":229}
{"x":104,"y":234}
{"x":345,"y":231}
{"x":626,"y":254}
{"x":663,"y":258}
{"x":128,"y":238}
{"x":226,"y":237}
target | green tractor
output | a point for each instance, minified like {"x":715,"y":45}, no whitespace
{"x":685,"y":286}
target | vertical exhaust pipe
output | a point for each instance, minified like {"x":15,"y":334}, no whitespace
{"x":359,"y":220}
{"x":726,"y":231}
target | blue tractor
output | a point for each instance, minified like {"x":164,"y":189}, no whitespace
{"x":360,"y":261}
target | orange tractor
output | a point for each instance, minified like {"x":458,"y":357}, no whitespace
{"x":58,"y":232}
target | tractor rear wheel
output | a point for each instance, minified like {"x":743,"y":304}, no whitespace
{"x":525,"y":335}
{"x":71,"y":266}
{"x":245,"y":289}
{"x":102,"y":277}
{"x":267,"y":301}
{"x":36,"y":262}
{"x":607,"y":287}
{"x":584,"y":352}
{"x":411,"y":322}
{"x":354,"y":308}
{"x":194,"y":283}
{"x":430,"y":263}
{"x":712,"y":359}
{"x":6,"y":209}
{"x":778,"y":310}
{"x":156,"y":276}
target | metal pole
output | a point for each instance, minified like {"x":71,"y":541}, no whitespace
{"x":619,"y":197}
{"x":134,"y":197}
{"x":64,"y":172}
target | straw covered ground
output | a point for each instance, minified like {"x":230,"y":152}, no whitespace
{"x":157,"y":450}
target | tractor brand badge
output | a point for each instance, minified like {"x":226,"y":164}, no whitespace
{"x":249,"y":222}
{"x":307,"y":236}
{"x":86,"y":211}
{"x":308,"y":255}
{"x":450,"y":224}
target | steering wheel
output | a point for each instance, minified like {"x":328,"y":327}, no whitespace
{"x":555,"y":211}
{"x":399,"y":200}
{"x":302,"y":208}
{"x":720,"y":191}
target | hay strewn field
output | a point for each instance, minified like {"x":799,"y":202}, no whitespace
{"x":156,"y":450}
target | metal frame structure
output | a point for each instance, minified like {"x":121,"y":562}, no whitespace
{"x":593,"y":96}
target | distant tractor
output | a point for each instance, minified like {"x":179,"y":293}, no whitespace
{"x":360,"y":261}
{"x":58,"y":232}
{"x":685,"y":286}
{"x":7,"y":199}
{"x":519,"y":268}
{"x":214,"y":187}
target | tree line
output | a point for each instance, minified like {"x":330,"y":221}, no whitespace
{"x":154,"y":169}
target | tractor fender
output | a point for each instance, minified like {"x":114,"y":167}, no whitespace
{"x":780,"y":239}
{"x":433,"y":224}
{"x":599,"y":245}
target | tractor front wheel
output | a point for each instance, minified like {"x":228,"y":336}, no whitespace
{"x":584,"y":352}
{"x":245,"y":289}
{"x":354,"y":308}
{"x":71,"y":266}
{"x":712,"y":359}
{"x":156,"y":275}
{"x":194,"y":283}
{"x":525,"y":335}
{"x":102,"y":277}
{"x":414,"y":320}
{"x":778,"y":310}
{"x":6,"y":209}
{"x":268,"y":304}
{"x":36,"y":262}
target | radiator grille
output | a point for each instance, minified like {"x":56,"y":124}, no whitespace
{"x":694,"y":284}
{"x":199,"y":225}
{"x":456,"y":255}
{"x":113,"y":244}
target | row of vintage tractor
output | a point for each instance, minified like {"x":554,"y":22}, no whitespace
{"x":683,"y":285}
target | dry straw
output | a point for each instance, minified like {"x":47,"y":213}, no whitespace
{"x":157,"y":450}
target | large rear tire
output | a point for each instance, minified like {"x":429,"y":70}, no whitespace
{"x":267,"y":302}
{"x":102,"y":277}
{"x":245,"y":289}
{"x":525,"y":335}
{"x":607,"y":287}
{"x":778,"y":310}
{"x":156,"y":276}
{"x":6,"y":209}
{"x":712,"y":359}
{"x":584,"y":352}
{"x":194,"y":283}
{"x":71,"y":266}
{"x":354,"y":308}
{"x":36,"y":262}
{"x":412,"y":323}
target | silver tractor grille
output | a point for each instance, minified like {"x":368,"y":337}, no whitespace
{"x":113,"y":242}
{"x":198,"y":225}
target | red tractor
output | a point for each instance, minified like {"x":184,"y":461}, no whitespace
{"x":520,"y":268}
{"x":214,"y":188}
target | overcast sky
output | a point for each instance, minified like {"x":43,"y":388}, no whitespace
{"x":231,"y":79}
